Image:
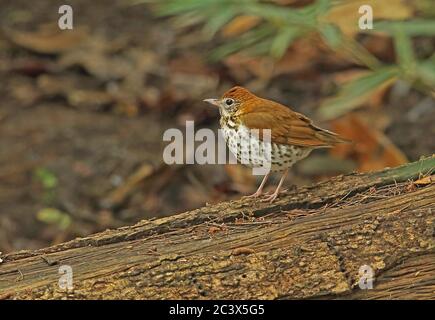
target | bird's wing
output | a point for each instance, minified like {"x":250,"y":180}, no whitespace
{"x":287,"y":126}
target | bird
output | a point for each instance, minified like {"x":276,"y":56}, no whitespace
{"x":292,"y":135}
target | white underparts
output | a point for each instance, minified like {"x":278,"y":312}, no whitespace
{"x":251,"y":151}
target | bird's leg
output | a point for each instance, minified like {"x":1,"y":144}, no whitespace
{"x":260,"y":188}
{"x":273,"y":196}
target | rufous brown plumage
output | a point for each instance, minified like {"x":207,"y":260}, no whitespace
{"x":292,"y":135}
{"x":288,"y":127}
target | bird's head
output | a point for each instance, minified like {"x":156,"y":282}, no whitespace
{"x":232,"y":100}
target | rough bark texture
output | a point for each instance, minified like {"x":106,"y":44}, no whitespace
{"x":309,"y":244}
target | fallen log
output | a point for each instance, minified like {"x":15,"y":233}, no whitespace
{"x":358,"y":236}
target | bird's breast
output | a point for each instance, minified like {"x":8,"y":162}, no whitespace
{"x":251,"y":151}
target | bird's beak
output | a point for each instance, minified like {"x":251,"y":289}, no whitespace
{"x":214,"y":102}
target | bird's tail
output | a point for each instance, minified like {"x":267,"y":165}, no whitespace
{"x":330,"y":138}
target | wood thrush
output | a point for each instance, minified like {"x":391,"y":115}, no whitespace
{"x":292,"y":135}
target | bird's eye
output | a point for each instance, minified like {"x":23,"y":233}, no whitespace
{"x":229,"y":101}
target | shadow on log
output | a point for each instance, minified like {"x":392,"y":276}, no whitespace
{"x":310,"y":244}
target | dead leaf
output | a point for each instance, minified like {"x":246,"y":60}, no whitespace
{"x":346,"y":16}
{"x":212,"y":230}
{"x":89,"y":99}
{"x":372,"y":149}
{"x":241,"y":178}
{"x":24,"y":91}
{"x":242,"y":250}
{"x":425,"y":180}
{"x":98,"y":64}
{"x":376,"y":98}
{"x":118,"y":195}
{"x":380,"y":45}
{"x":302,"y":54}
{"x":49,"y":39}
{"x":242,"y":67}
{"x":240,"y":25}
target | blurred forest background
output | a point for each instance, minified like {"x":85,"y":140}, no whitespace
{"x":82,"y":112}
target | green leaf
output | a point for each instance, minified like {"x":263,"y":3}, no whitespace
{"x":173,"y":7}
{"x":359,"y":53}
{"x":283,"y":40}
{"x":356,"y":92}
{"x":404,"y":51}
{"x":415,"y":27}
{"x":426,"y":72}
{"x":318,"y":8}
{"x":332,"y":35}
{"x":55,"y":217}
{"x":46,"y":178}
{"x":218,"y":21}
{"x":261,"y":48}
{"x":247,"y":40}
{"x":280,"y":15}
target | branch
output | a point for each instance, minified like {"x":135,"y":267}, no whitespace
{"x":310,"y":243}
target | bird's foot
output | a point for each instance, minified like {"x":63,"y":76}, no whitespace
{"x":254,"y":195}
{"x":268,"y":193}
{"x":272,"y":196}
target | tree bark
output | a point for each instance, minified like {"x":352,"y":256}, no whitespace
{"x":311,"y":244}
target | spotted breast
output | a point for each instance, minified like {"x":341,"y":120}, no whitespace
{"x":252,"y":151}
